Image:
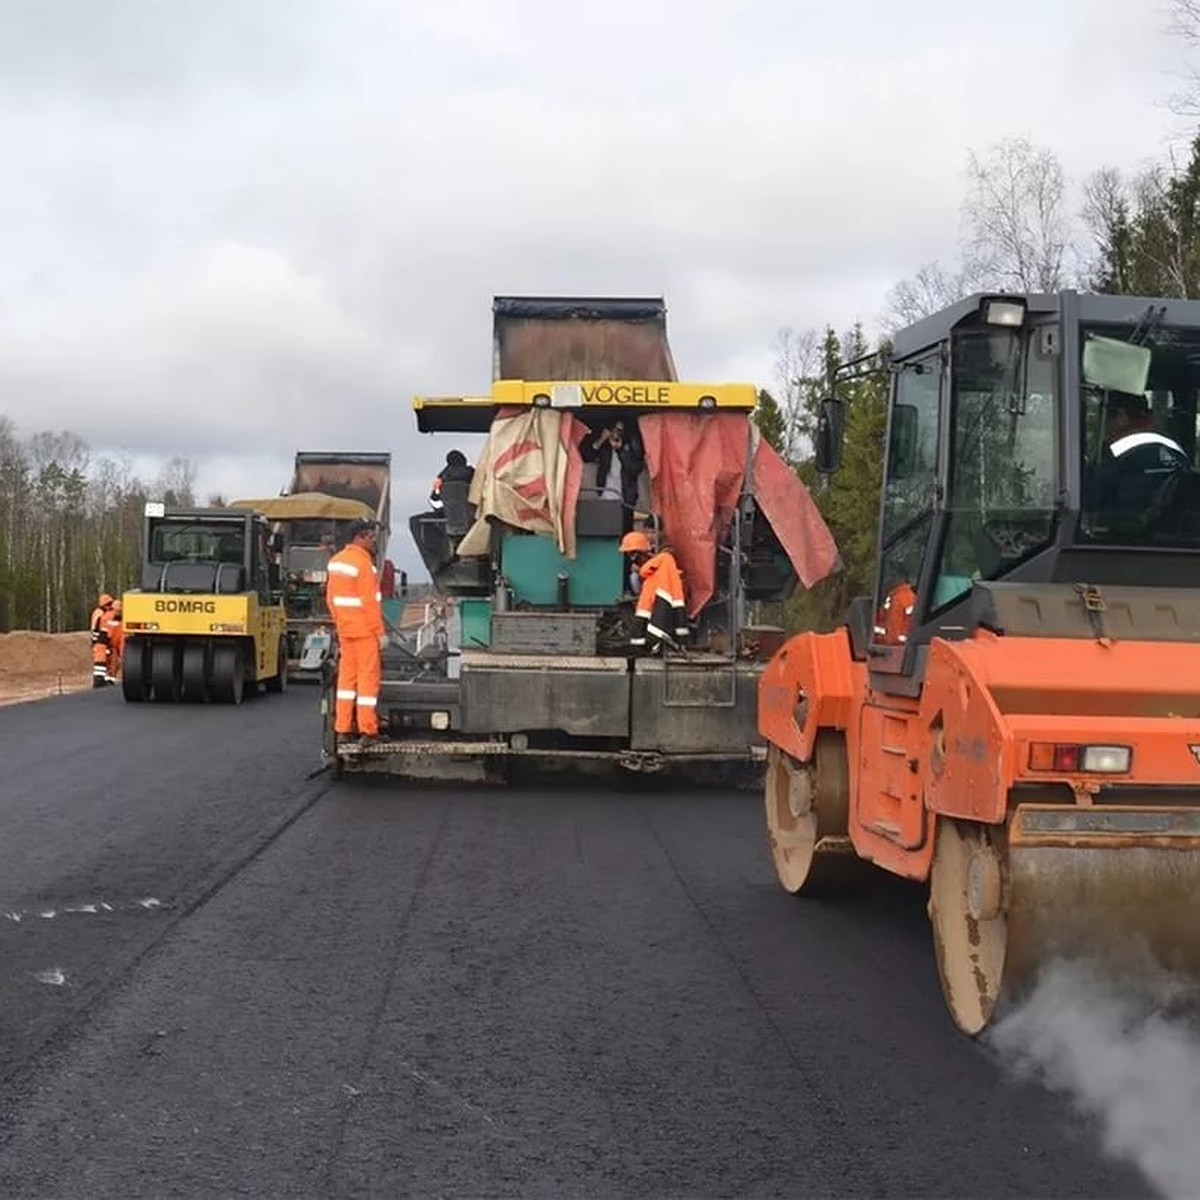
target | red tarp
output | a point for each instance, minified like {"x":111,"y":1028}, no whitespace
{"x":696,"y":462}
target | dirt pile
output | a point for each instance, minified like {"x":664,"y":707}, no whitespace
{"x":32,"y":663}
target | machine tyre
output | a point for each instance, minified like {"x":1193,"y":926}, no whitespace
{"x":164,"y":672}
{"x":194,"y":672}
{"x":228,"y":674}
{"x":134,"y":670}
{"x":970,"y":926}
{"x":807,"y":807}
{"x":278,"y":683}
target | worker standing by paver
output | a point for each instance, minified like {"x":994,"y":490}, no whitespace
{"x":99,"y":629}
{"x":353,"y":597}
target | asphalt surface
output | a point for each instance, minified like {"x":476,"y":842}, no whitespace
{"x":254,"y":983}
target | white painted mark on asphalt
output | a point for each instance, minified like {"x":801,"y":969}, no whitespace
{"x":55,"y":976}
{"x":147,"y":904}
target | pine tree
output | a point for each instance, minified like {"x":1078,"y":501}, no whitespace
{"x":769,"y":419}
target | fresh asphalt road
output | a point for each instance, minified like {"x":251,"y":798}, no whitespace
{"x":221,"y":978}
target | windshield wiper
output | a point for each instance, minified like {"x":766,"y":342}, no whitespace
{"x":1148,"y":324}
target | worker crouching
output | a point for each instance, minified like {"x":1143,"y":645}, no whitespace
{"x":660,"y":618}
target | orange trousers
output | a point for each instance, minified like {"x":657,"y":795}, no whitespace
{"x":357,"y":685}
{"x":114,"y":659}
{"x":99,"y":664}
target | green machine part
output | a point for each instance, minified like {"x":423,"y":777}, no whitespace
{"x":532,"y":564}
{"x":475,"y":617}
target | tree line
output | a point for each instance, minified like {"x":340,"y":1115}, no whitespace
{"x":71,"y":526}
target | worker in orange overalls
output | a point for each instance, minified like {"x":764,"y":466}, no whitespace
{"x":660,"y":617}
{"x":354,"y":601}
{"x":116,"y":642}
{"x":895,"y":615}
{"x":99,"y":629}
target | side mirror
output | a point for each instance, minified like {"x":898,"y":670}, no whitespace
{"x":277,"y":542}
{"x":827,"y":444}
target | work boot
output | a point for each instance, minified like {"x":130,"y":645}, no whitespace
{"x":368,"y":739}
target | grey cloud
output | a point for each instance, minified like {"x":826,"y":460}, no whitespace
{"x":125,"y":51}
{"x":231,"y":231}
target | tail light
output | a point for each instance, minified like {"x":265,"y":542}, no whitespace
{"x":1069,"y":758}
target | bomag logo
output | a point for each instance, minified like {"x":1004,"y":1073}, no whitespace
{"x":623,"y":393}
{"x":185,"y":606}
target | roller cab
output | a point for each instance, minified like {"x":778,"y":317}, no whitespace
{"x":1012,"y":716}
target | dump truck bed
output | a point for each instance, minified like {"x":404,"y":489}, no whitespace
{"x":563,"y":338}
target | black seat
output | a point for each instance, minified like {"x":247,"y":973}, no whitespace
{"x":598,"y":516}
{"x":460,"y":513}
{"x":231,"y":579}
{"x":196,"y":577}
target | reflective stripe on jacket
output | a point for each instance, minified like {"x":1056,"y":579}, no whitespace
{"x":352,"y":594}
{"x":99,"y":625}
{"x":660,"y":614}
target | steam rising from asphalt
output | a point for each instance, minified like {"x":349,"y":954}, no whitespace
{"x":1128,"y":1057}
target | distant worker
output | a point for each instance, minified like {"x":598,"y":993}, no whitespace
{"x":116,"y":642}
{"x":354,"y":601}
{"x":617,"y":452}
{"x":660,"y":618}
{"x":456,"y":470}
{"x":895,"y":616}
{"x":99,"y":630}
{"x":1136,"y":460}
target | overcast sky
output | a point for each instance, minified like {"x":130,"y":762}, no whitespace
{"x":231,"y":229}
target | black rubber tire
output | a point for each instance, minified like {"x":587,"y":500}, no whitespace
{"x":228,"y":674}
{"x":134,"y":673}
{"x":278,"y":683}
{"x":194,"y":672}
{"x":164,"y":672}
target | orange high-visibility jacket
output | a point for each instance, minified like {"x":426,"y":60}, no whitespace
{"x":115,"y":626}
{"x":660,"y":614}
{"x":894,"y":617}
{"x":99,"y":624}
{"x":352,"y":594}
